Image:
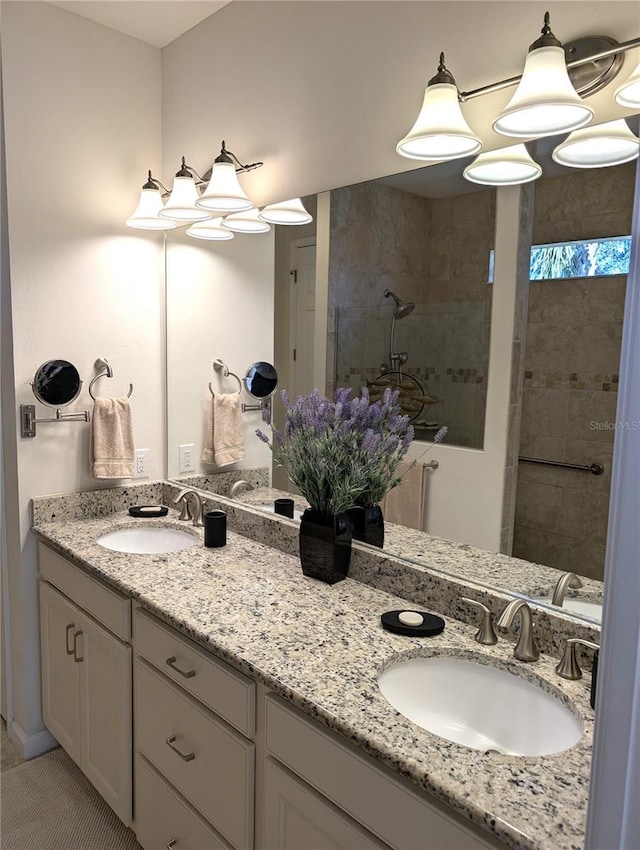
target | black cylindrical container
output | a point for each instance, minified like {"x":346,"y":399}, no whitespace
{"x":215,"y":529}
{"x":284,"y":507}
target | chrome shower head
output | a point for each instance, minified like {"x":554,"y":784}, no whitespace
{"x":401,"y":310}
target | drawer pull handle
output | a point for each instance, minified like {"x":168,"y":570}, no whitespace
{"x":184,"y":756}
{"x":69,"y":627}
{"x":77,"y":658}
{"x":171,"y":662}
{"x":172,"y":844}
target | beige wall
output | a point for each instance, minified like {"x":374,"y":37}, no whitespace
{"x":571,"y":377}
{"x":82,"y":125}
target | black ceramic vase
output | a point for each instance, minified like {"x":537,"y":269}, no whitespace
{"x":325,"y":545}
{"x":367,"y":524}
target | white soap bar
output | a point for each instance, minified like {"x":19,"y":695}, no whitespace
{"x":411,"y":618}
{"x":150,"y":509}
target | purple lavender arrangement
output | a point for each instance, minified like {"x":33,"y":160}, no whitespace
{"x":343,"y":452}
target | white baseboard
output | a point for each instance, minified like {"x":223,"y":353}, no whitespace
{"x":30,"y":746}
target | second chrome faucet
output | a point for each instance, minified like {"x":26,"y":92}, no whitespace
{"x":526,"y":649}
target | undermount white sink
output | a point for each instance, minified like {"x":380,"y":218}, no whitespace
{"x":152,"y":540}
{"x":480,"y":706}
{"x":576,"y":605}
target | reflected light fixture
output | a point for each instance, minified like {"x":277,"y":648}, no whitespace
{"x":505,"y":167}
{"x":628,"y":94}
{"x":146,"y":214}
{"x":246,"y":222}
{"x":545,"y":102}
{"x":210,"y":229}
{"x":286,"y":212}
{"x":224,"y":194}
{"x":181,"y":204}
{"x":604,"y":144}
{"x":440,"y":131}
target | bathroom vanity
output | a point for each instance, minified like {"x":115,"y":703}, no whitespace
{"x":257,"y":717}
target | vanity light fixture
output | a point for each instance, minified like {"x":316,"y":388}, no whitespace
{"x":604,"y":144}
{"x":440,"y":131}
{"x":146,"y":214}
{"x":547,"y":101}
{"x":286,"y":212}
{"x":505,"y":167}
{"x":210,"y":229}
{"x":628,"y":94}
{"x":246,"y":222}
{"x":224,"y":194}
{"x":181,"y":205}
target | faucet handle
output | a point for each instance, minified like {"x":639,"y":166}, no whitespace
{"x":568,"y":668}
{"x":486,"y":633}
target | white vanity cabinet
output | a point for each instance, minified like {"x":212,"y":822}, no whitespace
{"x":195,"y":761}
{"x":86,"y":676}
{"x":336,"y":788}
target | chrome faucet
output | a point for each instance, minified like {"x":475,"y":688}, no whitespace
{"x":183,"y":497}
{"x":566,"y":581}
{"x":235,"y":487}
{"x":526,"y":649}
{"x":568,"y":667}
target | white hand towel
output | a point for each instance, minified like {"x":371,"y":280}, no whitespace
{"x":405,"y":503}
{"x":225,"y":440}
{"x":113,"y":447}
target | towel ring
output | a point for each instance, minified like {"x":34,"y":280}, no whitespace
{"x":221,"y":366}
{"x":103,"y":363}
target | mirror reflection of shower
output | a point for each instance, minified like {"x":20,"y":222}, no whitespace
{"x":400,"y":310}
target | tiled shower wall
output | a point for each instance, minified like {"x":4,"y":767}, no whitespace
{"x":434,"y":252}
{"x":572,"y":356}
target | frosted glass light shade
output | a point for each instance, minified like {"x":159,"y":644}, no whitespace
{"x":545,"y":101}
{"x":246,"y":222}
{"x":210,"y":229}
{"x":224,"y":193}
{"x":181,"y":205}
{"x":286,"y":212}
{"x":440,"y":131}
{"x":605,"y":144}
{"x":628,"y":94}
{"x":146,"y":214}
{"x":505,"y":167}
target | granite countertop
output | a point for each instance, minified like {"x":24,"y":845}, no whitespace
{"x":321,"y":647}
{"x":460,"y":559}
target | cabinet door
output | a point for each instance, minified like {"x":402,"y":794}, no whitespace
{"x":105,"y":681}
{"x":297,"y":817}
{"x":59,"y":624}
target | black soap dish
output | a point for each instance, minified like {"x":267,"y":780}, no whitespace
{"x":431,"y":624}
{"x":148,"y":511}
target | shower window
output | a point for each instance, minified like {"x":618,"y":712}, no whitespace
{"x":579,"y":259}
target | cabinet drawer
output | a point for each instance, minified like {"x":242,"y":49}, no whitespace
{"x":208,"y":762}
{"x":109,"y":607}
{"x":388,"y":807}
{"x":227,"y":692}
{"x":162,"y":816}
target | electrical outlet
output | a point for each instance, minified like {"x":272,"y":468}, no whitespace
{"x":185,"y":458}
{"x":141,"y":463}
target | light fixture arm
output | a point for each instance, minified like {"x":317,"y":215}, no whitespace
{"x":622,"y":47}
{"x":153,"y":183}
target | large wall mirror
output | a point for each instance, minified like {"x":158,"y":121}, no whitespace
{"x":427,"y":238}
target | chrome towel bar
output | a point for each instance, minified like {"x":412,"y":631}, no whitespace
{"x":595,"y":468}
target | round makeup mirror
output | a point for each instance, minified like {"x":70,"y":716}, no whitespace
{"x":261,"y":380}
{"x":56,"y":383}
